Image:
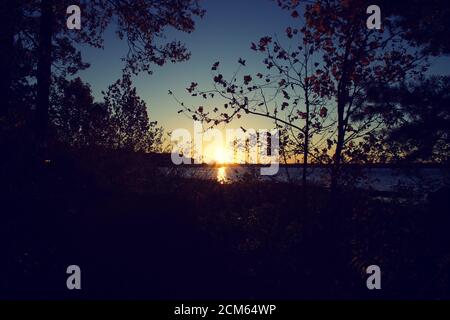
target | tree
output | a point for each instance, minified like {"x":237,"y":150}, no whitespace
{"x":355,"y":58}
{"x":8,"y":12}
{"x":131,"y":127}
{"x":16,"y":64}
{"x":119,"y":122}
{"x":419,"y":116}
{"x":425,"y":23}
{"x":42,"y":30}
{"x":70,"y":111}
{"x":281,"y":92}
{"x":336,"y":60}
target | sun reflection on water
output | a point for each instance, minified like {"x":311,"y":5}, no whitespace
{"x":222,"y":175}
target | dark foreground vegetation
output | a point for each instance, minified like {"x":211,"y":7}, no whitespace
{"x":138,"y":234}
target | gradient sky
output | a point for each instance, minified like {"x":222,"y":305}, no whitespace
{"x":224,"y":34}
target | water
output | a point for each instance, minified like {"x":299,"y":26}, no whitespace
{"x":422,"y":180}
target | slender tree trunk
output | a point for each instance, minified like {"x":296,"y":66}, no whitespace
{"x":342,"y":98}
{"x":306,"y":142}
{"x":44,"y":70}
{"x":335,"y":216}
{"x":339,"y":146}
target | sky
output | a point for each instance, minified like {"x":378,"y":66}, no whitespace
{"x":224,"y":34}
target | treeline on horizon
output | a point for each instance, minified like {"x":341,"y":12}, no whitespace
{"x":342,"y":94}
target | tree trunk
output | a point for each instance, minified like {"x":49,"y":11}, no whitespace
{"x":44,"y":70}
{"x":306,"y":142}
{"x":339,"y":146}
{"x":7,"y":15}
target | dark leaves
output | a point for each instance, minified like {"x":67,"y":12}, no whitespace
{"x":289,"y":32}
{"x":192,"y":87}
{"x":215,"y":66}
{"x":263,"y":43}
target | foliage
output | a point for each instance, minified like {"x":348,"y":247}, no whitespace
{"x":37,"y":29}
{"x":320,"y":85}
{"x":120,"y":122}
{"x":418,"y":118}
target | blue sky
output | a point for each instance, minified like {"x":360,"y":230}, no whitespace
{"x":224,"y":34}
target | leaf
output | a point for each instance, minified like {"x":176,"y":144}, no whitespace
{"x":192,"y":87}
{"x":329,"y":143}
{"x":264,"y":42}
{"x":289,"y":32}
{"x":215,"y":66}
{"x":302,"y":114}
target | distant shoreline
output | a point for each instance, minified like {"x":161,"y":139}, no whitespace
{"x":348,"y":165}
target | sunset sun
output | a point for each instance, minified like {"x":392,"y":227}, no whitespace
{"x":221,"y":156}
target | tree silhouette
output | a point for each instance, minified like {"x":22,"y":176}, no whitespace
{"x":16,"y":64}
{"x":325,"y":78}
{"x":119,"y":122}
{"x":353,"y":59}
{"x":70,"y":111}
{"x":281,"y":92}
{"x":132,"y":129}
{"x":42,"y":30}
{"x":425,"y":23}
{"x":418,"y":115}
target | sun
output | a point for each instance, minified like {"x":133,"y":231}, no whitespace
{"x":221,"y":155}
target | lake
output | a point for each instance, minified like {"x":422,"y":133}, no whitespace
{"x":419,"y":180}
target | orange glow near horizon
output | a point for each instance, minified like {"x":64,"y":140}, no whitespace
{"x":217,"y":154}
{"x":222,"y":156}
